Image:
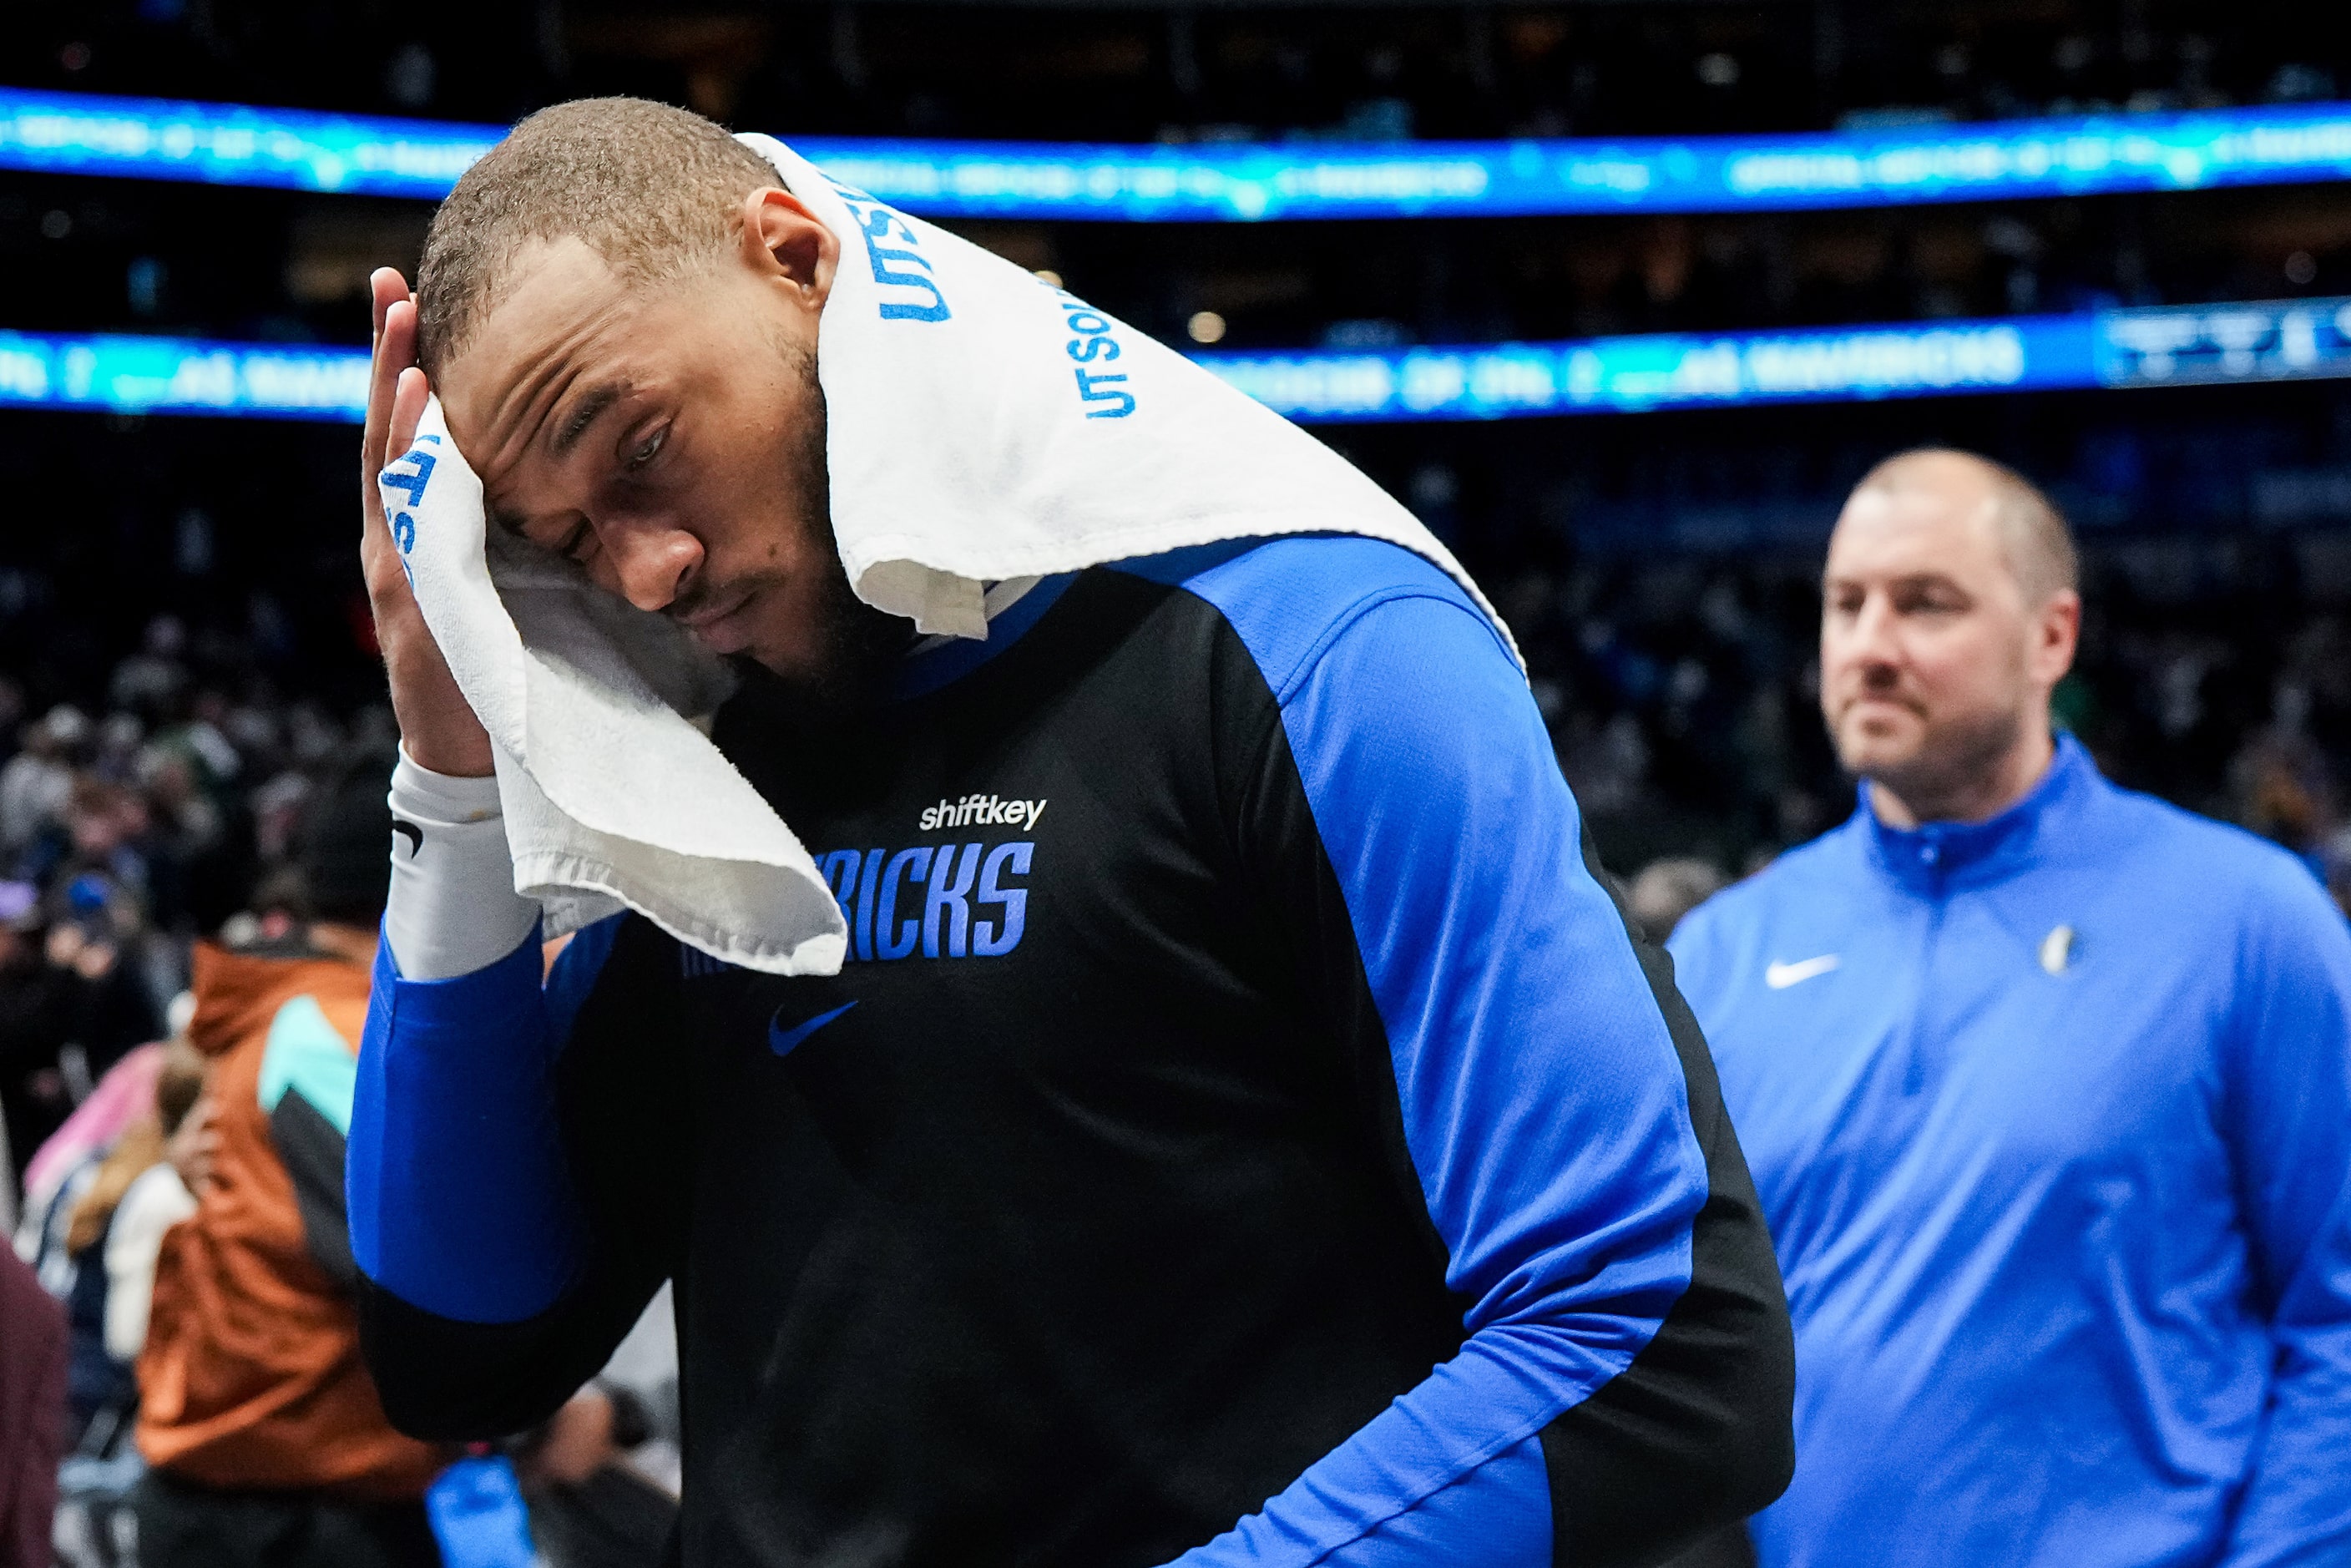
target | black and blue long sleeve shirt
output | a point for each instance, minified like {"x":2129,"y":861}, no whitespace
{"x":1245,"y":1131}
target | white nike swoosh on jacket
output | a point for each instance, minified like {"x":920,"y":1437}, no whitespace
{"x":1780,"y":976}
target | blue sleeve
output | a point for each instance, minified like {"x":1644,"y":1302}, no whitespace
{"x":459,"y":1197}
{"x":2289,"y":1124}
{"x":1544,"y":1108}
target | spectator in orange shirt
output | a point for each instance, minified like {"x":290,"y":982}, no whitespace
{"x":264,"y":1432}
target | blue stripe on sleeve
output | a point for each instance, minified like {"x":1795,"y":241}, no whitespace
{"x":1497,"y":1516}
{"x":460,"y":1201}
{"x":1543,"y":1105}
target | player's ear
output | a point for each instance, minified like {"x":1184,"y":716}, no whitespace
{"x":783,"y":241}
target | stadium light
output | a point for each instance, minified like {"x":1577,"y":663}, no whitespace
{"x":234,"y":145}
{"x":2291,"y":339}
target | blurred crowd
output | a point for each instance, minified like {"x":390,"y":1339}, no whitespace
{"x":1679,"y":688}
{"x":126,"y":831}
{"x":1683,"y":696}
{"x":191,"y":833}
{"x":128,"y":826}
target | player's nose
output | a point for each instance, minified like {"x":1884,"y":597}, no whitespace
{"x":650,"y":561}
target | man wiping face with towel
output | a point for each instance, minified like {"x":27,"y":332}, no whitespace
{"x":1238,"y":1126}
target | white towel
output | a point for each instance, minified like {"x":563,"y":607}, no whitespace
{"x":981,"y":425}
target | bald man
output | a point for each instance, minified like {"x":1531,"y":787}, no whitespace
{"x":2046,"y":1090}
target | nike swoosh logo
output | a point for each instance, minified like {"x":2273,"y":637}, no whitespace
{"x":411,"y":832}
{"x":783,"y":1041}
{"x":1780,"y":977}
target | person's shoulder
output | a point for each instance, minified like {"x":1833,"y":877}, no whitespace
{"x":1813,"y":877}
{"x":2220,"y":882}
{"x":1325,"y":567}
{"x":1288,"y":599}
{"x":2188,"y":845}
{"x":1795,"y":874}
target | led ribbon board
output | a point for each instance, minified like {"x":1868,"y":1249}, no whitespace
{"x":2161,"y":346}
{"x":231,"y":144}
{"x":182,"y":375}
{"x":2165,"y":346}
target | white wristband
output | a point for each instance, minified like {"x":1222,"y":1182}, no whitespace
{"x":452,"y":907}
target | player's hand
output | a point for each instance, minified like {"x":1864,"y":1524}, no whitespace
{"x":436,"y":726}
{"x":194,"y":1150}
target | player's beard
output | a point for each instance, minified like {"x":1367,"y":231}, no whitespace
{"x":856,"y":645}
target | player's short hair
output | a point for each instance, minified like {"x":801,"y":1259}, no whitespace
{"x":650,"y":189}
{"x":2038,"y":540}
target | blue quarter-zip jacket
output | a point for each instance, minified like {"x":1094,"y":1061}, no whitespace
{"x":2050,"y":1116}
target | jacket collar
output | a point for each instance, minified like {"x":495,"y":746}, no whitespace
{"x":1937,"y":856}
{"x":239,"y":990}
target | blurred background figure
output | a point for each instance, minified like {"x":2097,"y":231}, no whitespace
{"x":32,"y":1413}
{"x":266,"y":1439}
{"x":70,"y":1004}
{"x":38,"y":780}
{"x":133,"y":1193}
{"x":602,"y":1475}
{"x":1668,"y":889}
{"x":2046,"y":1089}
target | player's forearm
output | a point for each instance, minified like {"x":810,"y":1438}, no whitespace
{"x":452,"y":908}
{"x":445,"y":1380}
{"x":488,"y":1294}
{"x":1498,"y":1515}
{"x":459,"y":1198}
{"x":1687,"y":1438}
